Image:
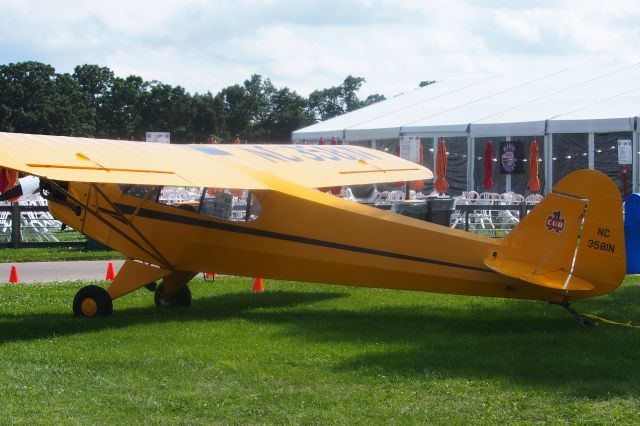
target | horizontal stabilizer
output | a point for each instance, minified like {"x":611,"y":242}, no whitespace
{"x":556,"y":279}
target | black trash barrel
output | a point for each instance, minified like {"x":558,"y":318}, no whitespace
{"x":440,"y":210}
{"x":415,"y":209}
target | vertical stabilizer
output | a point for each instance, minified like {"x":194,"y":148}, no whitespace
{"x":573,"y":240}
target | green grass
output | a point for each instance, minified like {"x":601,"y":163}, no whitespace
{"x":313,"y":354}
{"x":9,"y":255}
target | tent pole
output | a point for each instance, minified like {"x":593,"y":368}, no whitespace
{"x":591,"y":150}
{"x":507,"y":178}
{"x":548,"y":162}
{"x":374,"y":145}
{"x":471,"y":164}
{"x":435,"y":157}
{"x":635,"y":167}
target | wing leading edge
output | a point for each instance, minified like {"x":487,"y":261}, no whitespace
{"x":229,"y":166}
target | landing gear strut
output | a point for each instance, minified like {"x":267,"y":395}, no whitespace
{"x":581,"y":320}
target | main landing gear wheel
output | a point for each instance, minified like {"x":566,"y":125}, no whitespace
{"x":181,"y":298}
{"x":91,"y":301}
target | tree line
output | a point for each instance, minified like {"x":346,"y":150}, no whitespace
{"x":93,"y":102}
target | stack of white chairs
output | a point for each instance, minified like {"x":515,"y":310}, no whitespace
{"x":533,"y":199}
{"x":517,"y":198}
{"x":417,"y":195}
{"x":390,"y":197}
{"x":483,"y":220}
{"x":488,"y":221}
{"x":489,"y":198}
{"x":173,"y":195}
{"x":395,"y":196}
{"x":506,"y":218}
{"x":472,"y":196}
{"x":506,"y":197}
{"x":373,"y":198}
{"x":34,"y":225}
{"x":5,"y":226}
{"x":458,"y":216}
{"x":347,"y":194}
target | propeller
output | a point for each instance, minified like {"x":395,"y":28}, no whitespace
{"x":26,"y":186}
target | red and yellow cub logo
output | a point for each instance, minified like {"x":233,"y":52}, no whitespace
{"x":555,"y":222}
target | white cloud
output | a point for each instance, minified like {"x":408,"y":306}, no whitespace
{"x":204,"y":45}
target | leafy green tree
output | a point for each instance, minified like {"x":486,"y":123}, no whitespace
{"x":258,"y":106}
{"x":71,"y":113}
{"x":207,"y":119}
{"x":288,"y":113}
{"x":325,"y":104}
{"x":372,"y":99}
{"x":237,"y":115}
{"x":96,"y":83}
{"x":122,"y":108}
{"x":333,"y":101}
{"x":349,"y":89}
{"x":167,"y":108}
{"x":426,"y":83}
{"x":26,"y":90}
{"x":93,"y":102}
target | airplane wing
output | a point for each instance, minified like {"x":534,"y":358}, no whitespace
{"x":223,"y":166}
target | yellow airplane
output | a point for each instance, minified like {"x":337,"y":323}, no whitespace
{"x":571,"y":246}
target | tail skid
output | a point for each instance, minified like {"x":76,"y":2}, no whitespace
{"x":572,"y":242}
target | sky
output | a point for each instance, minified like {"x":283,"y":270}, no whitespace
{"x":307,"y":45}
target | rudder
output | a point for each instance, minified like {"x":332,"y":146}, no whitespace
{"x":573,"y":240}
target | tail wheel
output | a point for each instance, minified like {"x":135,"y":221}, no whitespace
{"x":181,"y":298}
{"x":91,"y":301}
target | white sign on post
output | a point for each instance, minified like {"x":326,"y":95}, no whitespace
{"x":625,"y":153}
{"x":158,"y":137}
{"x":410,"y":148}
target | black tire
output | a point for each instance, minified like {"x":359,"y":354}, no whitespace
{"x":91,"y":301}
{"x":152,"y":286}
{"x":181,"y":298}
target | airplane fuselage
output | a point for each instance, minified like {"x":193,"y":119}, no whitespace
{"x":302,"y":235}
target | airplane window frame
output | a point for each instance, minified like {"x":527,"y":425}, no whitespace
{"x":226,"y":200}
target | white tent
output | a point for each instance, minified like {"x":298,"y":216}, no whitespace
{"x":591,"y":102}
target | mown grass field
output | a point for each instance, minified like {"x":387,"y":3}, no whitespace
{"x":11,"y":255}
{"x":314,"y":354}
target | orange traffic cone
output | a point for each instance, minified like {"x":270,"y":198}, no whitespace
{"x":13,"y":276}
{"x":257,"y":285}
{"x":110,"y":273}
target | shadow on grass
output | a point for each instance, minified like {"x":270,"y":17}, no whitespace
{"x":528,"y":343}
{"x":27,"y":326}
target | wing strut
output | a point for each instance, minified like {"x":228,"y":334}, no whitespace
{"x":159,"y":255}
{"x":161,"y":260}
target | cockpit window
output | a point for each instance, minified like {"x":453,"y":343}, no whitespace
{"x":230,"y":204}
{"x":139,"y":191}
{"x":227,"y":204}
{"x":187,"y":198}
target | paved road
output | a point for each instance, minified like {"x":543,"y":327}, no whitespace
{"x":30,"y":272}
